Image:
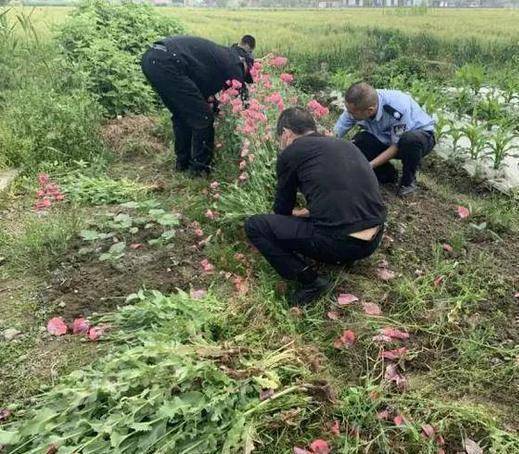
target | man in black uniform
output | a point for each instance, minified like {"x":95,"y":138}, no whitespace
{"x":345,"y":215}
{"x":187,"y":72}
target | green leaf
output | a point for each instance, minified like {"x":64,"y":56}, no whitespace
{"x":89,"y":235}
{"x":8,"y":438}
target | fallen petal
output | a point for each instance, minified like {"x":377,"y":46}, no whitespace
{"x":347,"y":339}
{"x":198,"y":294}
{"x":266,"y":394}
{"x":5,"y":413}
{"x":438,"y":281}
{"x":394,"y":354}
{"x":296,"y":311}
{"x":336,"y":428}
{"x":241,"y":284}
{"x":399,"y":420}
{"x":382,"y":338}
{"x":136,"y":245}
{"x":447,"y":248}
{"x":345,"y":299}
{"x":428,"y":431}
{"x":57,"y":327}
{"x":471,"y":447}
{"x":207,"y":266}
{"x":463,"y":212}
{"x":332,"y":315}
{"x":385,"y":274}
{"x":300,"y":451}
{"x":320,"y":447}
{"x":440,"y":440}
{"x":394,"y":333}
{"x":383,"y":415}
{"x":80,"y":326}
{"x":371,"y":309}
{"x":95,"y":333}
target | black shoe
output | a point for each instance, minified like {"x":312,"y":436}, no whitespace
{"x":406,"y":190}
{"x":311,"y":292}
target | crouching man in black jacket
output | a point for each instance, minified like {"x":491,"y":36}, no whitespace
{"x":187,"y":72}
{"x":345,"y":215}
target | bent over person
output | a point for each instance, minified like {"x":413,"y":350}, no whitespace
{"x":393,"y":126}
{"x":187,"y":72}
{"x":345,"y":215}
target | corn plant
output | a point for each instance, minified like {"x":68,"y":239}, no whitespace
{"x":456,"y":134}
{"x":501,"y":145}
{"x":475,"y":133}
{"x":489,"y":109}
{"x":443,"y":126}
{"x":470,"y":75}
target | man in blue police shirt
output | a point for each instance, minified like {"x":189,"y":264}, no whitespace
{"x":393,"y":126}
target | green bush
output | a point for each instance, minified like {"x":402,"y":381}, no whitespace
{"x":47,"y":125}
{"x":106,"y":41}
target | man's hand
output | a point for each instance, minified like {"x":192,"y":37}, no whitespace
{"x":302,"y":213}
{"x":385,"y":156}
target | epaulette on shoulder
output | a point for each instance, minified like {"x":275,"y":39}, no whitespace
{"x":392,"y":111}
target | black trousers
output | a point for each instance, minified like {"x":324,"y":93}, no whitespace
{"x":283,"y":240}
{"x":191,"y":115}
{"x":412,"y":147}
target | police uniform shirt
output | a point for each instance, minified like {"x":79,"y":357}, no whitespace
{"x":397,"y":113}
{"x":206,"y":63}
{"x":337,"y":181}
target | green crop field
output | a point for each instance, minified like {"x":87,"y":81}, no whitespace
{"x":136,"y":318}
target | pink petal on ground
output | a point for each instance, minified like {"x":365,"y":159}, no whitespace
{"x":385,"y":274}
{"x":136,"y":245}
{"x":296,"y":311}
{"x":471,"y":447}
{"x":96,"y":332}
{"x":332,"y":315}
{"x":346,"y":299}
{"x":394,"y":333}
{"x":516,"y":295}
{"x":399,"y":420}
{"x":447,"y":248}
{"x":56,"y":326}
{"x":463,"y":212}
{"x":198,"y":294}
{"x":392,"y":375}
{"x":266,"y":394}
{"x":336,"y":428}
{"x":382,"y":338}
{"x":199,"y":233}
{"x":371,"y":309}
{"x":241,"y":284}
{"x":440,"y":440}
{"x":320,"y":447}
{"x":210,"y":214}
{"x":300,"y":451}
{"x":5,"y":413}
{"x":383,"y":415}
{"x":394,"y":354}
{"x":80,"y":326}
{"x":207,"y":266}
{"x":428,"y":431}
{"x":347,"y":339}
{"x":438,"y":281}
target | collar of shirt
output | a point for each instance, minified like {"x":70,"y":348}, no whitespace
{"x":380,"y":108}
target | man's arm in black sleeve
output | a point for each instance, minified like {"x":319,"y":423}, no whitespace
{"x":286,"y":188}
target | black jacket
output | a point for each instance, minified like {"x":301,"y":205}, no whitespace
{"x":207,"y":64}
{"x":339,"y":185}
